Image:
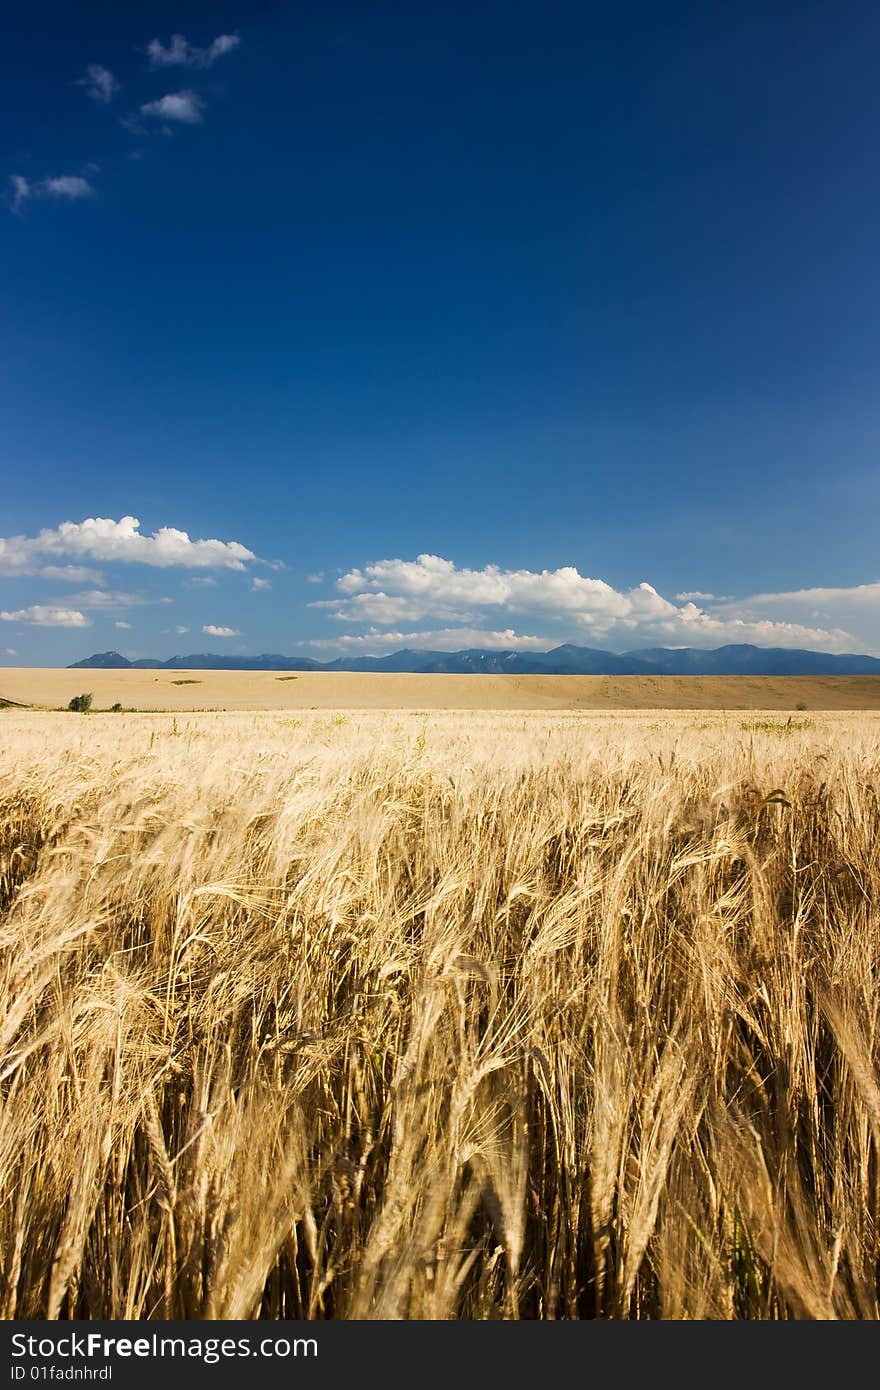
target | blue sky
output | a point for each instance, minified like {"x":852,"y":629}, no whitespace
{"x":339,"y":327}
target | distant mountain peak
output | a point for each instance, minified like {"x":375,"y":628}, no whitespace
{"x":735,"y":659}
{"x":110,"y":660}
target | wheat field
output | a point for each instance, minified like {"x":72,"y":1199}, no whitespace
{"x":440,"y":1015}
{"x":181,"y":691}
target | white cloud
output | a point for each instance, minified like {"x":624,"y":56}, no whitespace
{"x":183,"y":107}
{"x":103,"y":539}
{"x":452,"y":639}
{"x":696,"y":596}
{"x":257,"y":584}
{"x":66,"y":186}
{"x":315,"y":578}
{"x":175,"y":55}
{"x":40,"y":616}
{"x":71,"y":187}
{"x":180,"y":53}
{"x":21,"y":190}
{"x":213,"y":631}
{"x":99,"y":82}
{"x":702,"y":630}
{"x":389,"y":591}
{"x":125,"y":626}
{"x":10,"y":651}
{"x":219,"y":47}
{"x":201,"y":582}
{"x":181,"y":630}
{"x":430,"y":580}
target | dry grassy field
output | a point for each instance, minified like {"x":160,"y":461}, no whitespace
{"x":439,"y":1015}
{"x":266,"y":690}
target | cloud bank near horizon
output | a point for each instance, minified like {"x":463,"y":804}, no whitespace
{"x":386,"y":594}
{"x":426,"y":602}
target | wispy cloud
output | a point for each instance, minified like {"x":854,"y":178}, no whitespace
{"x":10,"y":651}
{"x":200,"y":582}
{"x":180,"y":53}
{"x":389,"y":592}
{"x":108,"y":600}
{"x":70,"y":188}
{"x":315,"y":578}
{"x":212,"y":630}
{"x":381,"y":607}
{"x":99,"y":83}
{"x":126,"y":627}
{"x":103,"y":539}
{"x":184,"y":108}
{"x":40,"y":616}
{"x":181,"y":630}
{"x":865,"y":595}
{"x":257,"y":583}
{"x":64,"y":574}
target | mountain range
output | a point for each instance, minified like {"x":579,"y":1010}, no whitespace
{"x":740,"y":659}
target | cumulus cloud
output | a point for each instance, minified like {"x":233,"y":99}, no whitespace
{"x":40,"y":616}
{"x":452,"y":639}
{"x":99,"y":83}
{"x":103,"y":539}
{"x":183,"y":107}
{"x":69,"y":187}
{"x":388,"y":592}
{"x":180,"y":53}
{"x":212,"y":630}
{"x":430,"y":581}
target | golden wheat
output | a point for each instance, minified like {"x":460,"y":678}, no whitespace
{"x":406,"y":1016}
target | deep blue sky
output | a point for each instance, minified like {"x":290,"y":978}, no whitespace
{"x":533,"y":285}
